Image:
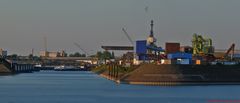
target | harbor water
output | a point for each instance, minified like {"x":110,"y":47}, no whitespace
{"x":87,"y":87}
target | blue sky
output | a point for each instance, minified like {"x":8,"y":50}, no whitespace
{"x":92,"y":23}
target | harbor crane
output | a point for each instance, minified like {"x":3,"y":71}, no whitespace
{"x":81,"y":48}
{"x":125,"y":32}
{"x":231,"y":49}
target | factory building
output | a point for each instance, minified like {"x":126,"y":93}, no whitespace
{"x":52,"y":54}
{"x":3,"y":53}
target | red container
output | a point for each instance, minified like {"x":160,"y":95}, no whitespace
{"x":172,"y":47}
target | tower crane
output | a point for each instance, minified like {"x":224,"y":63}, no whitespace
{"x":81,"y":48}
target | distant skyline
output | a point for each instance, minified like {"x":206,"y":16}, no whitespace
{"x":92,"y":23}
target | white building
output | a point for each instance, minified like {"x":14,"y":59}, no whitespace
{"x":52,"y":54}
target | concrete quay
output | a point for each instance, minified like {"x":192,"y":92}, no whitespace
{"x":7,"y":68}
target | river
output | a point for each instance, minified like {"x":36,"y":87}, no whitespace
{"x":87,"y":87}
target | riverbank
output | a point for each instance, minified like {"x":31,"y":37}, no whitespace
{"x":4,"y":70}
{"x":8,"y":69}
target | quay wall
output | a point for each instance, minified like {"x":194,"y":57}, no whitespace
{"x":172,"y":75}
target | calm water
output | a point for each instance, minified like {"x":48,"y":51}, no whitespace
{"x":86,"y":87}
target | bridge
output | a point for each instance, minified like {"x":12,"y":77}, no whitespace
{"x":74,"y":61}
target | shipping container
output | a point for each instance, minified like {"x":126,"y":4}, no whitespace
{"x":172,"y":47}
{"x":198,"y":62}
{"x":168,"y":61}
{"x":229,"y":63}
{"x":224,"y":63}
{"x":236,"y":56}
{"x":179,"y":56}
{"x":183,"y":61}
{"x":165,"y":61}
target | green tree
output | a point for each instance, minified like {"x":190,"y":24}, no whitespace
{"x":77,"y":54}
{"x":71,"y":55}
{"x":36,"y":58}
{"x":14,"y":56}
{"x":65,"y":54}
{"x":30,"y":56}
{"x":106,"y":55}
{"x":83,"y":55}
{"x":99,"y":55}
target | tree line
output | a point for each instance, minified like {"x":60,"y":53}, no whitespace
{"x":100,"y":55}
{"x":105,"y":55}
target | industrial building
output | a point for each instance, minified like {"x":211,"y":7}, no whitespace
{"x":201,"y":51}
{"x":3,"y":53}
{"x":52,"y":54}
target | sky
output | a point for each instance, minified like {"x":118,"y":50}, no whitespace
{"x":93,"y":23}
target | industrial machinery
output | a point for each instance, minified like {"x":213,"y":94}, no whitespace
{"x":147,"y":49}
{"x":202,"y":48}
{"x":230,"y":51}
{"x":151,"y":40}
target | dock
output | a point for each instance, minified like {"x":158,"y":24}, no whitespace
{"x":7,"y":68}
